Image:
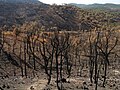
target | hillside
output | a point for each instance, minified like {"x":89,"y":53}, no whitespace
{"x":65,"y":17}
{"x":62,"y":17}
{"x":58,"y":47}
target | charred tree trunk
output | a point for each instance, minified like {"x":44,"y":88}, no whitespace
{"x":21,"y":66}
{"x":25,"y":59}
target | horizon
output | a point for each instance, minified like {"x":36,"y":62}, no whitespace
{"x":60,"y":2}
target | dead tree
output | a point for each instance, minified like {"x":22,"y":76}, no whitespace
{"x":31,"y":44}
{"x":25,"y":57}
{"x":1,"y":40}
{"x":96,"y":61}
{"x":106,"y":47}
{"x":31,"y":50}
{"x":68,"y":61}
{"x":20,"y":56}
{"x":91,"y":60}
{"x":47,"y":51}
{"x":60,"y":43}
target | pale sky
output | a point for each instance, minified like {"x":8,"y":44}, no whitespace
{"x":80,"y":1}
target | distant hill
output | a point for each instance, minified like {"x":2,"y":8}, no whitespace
{"x":108,"y":6}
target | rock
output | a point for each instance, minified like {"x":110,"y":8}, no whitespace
{"x":6,"y":76}
{"x":63,"y":80}
{"x":3,"y":86}
{"x":2,"y":77}
{"x":113,"y":85}
{"x":77,"y":87}
{"x":85,"y":86}
{"x":90,"y":84}
{"x":8,"y":87}
{"x":84,"y":83}
{"x":32,"y":88}
{"x":110,"y":85}
{"x":22,"y":82}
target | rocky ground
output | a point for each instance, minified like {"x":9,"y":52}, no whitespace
{"x":39,"y":82}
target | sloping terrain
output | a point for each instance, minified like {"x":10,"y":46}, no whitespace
{"x":30,"y":52}
{"x":63,"y":17}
